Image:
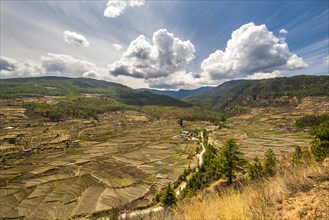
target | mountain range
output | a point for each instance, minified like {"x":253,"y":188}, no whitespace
{"x":64,"y":86}
{"x":227,"y":97}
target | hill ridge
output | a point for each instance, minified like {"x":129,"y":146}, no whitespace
{"x":231,"y":95}
{"x":63,"y":86}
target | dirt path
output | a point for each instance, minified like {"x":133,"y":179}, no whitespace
{"x":141,"y":212}
{"x":182,"y":186}
{"x":200,"y":156}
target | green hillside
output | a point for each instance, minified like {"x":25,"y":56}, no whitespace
{"x":64,"y":86}
{"x":208,"y":98}
{"x":282,"y":91}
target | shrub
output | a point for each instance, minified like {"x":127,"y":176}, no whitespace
{"x":168,"y":197}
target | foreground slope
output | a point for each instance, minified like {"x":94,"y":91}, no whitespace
{"x":295,"y":193}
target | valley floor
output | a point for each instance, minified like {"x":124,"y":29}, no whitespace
{"x":88,"y":168}
{"x":83,"y":168}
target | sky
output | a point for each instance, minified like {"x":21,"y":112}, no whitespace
{"x":164,"y":44}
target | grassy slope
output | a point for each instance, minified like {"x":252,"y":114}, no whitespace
{"x":266,"y":92}
{"x":63,"y":86}
{"x":295,"y":193}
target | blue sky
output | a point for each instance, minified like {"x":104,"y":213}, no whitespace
{"x":164,"y":44}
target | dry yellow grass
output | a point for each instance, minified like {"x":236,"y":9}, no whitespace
{"x":260,"y":200}
{"x":227,"y":206}
{"x":294,"y":193}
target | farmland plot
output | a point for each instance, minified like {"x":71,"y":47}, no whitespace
{"x":263,"y":128}
{"x":118,"y":161}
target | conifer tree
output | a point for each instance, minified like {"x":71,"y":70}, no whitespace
{"x":230,"y":160}
{"x":254,"y":169}
{"x":269,"y":163}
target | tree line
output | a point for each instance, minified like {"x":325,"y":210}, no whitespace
{"x":87,"y":107}
{"x":311,"y":120}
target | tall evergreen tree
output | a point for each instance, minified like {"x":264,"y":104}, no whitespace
{"x":230,"y":160}
{"x":269,"y":163}
{"x":254,"y":169}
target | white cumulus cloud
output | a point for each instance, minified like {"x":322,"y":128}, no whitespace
{"x":283,"y":31}
{"x":75,"y":39}
{"x":66,"y":65}
{"x":164,"y":56}
{"x":251,"y":49}
{"x":8,"y":64}
{"x":118,"y":47}
{"x":52,"y":65}
{"x":11,"y":68}
{"x":115,"y":8}
{"x":273,"y":74}
{"x":179,"y":80}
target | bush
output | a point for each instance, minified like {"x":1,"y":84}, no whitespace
{"x":168,"y":197}
{"x":300,"y":156}
{"x":320,"y":146}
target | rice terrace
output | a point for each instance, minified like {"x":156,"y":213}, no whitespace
{"x":164,"y":110}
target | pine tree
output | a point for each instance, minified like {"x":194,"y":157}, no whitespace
{"x":168,"y":197}
{"x":269,"y":163}
{"x":230,"y":160}
{"x":255,"y":170}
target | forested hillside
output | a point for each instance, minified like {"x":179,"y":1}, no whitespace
{"x":282,"y":91}
{"x":63,"y":86}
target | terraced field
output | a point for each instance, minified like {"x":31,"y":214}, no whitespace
{"x":83,"y":168}
{"x":263,"y":128}
{"x":90,"y":168}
